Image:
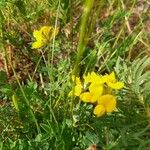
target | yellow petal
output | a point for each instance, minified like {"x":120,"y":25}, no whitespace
{"x":77,"y":90}
{"x":96,"y":91}
{"x":45,"y":31}
{"x":99,"y":110}
{"x":108,"y":101}
{"x":104,"y":78}
{"x":112,"y":82}
{"x":116,"y":85}
{"x":76,"y":80}
{"x":112,"y":77}
{"x":37,"y":44}
{"x":89,"y":97}
{"x":87,"y":78}
{"x":95,"y":78}
{"x":95,"y":97}
{"x":86,"y":97}
{"x":96,"y":88}
{"x":37,"y":34}
{"x":49,"y":32}
{"x":39,"y":41}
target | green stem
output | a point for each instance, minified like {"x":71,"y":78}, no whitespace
{"x":50,"y":65}
{"x":82,"y":34}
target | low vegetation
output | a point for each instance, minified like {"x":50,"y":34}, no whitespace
{"x":74,"y":75}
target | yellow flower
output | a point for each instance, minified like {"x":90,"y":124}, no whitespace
{"x":95,"y":88}
{"x":94,"y":78}
{"x":78,"y":87}
{"x":95,"y":91}
{"x":43,"y":36}
{"x":113,"y":83}
{"x":89,"y":97}
{"x":106,"y":104}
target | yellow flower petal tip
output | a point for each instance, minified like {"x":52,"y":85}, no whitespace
{"x":37,"y":44}
{"x":77,"y":89}
{"x":113,"y":83}
{"x":99,"y":110}
{"x":76,"y":79}
{"x":87,"y":78}
{"x":117,"y":85}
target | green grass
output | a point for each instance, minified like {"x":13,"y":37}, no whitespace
{"x":35,"y":109}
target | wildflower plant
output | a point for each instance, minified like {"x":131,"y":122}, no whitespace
{"x":43,"y":109}
{"x":98,"y":90}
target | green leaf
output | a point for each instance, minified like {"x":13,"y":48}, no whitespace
{"x":47,"y":129}
{"x":15,"y":102}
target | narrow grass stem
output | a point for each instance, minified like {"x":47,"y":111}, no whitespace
{"x":50,"y":64}
{"x":82,"y":34}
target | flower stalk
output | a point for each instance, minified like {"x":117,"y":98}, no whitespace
{"x":82,"y":34}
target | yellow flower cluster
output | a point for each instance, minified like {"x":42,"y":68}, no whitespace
{"x":97,"y":89}
{"x":43,"y":36}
